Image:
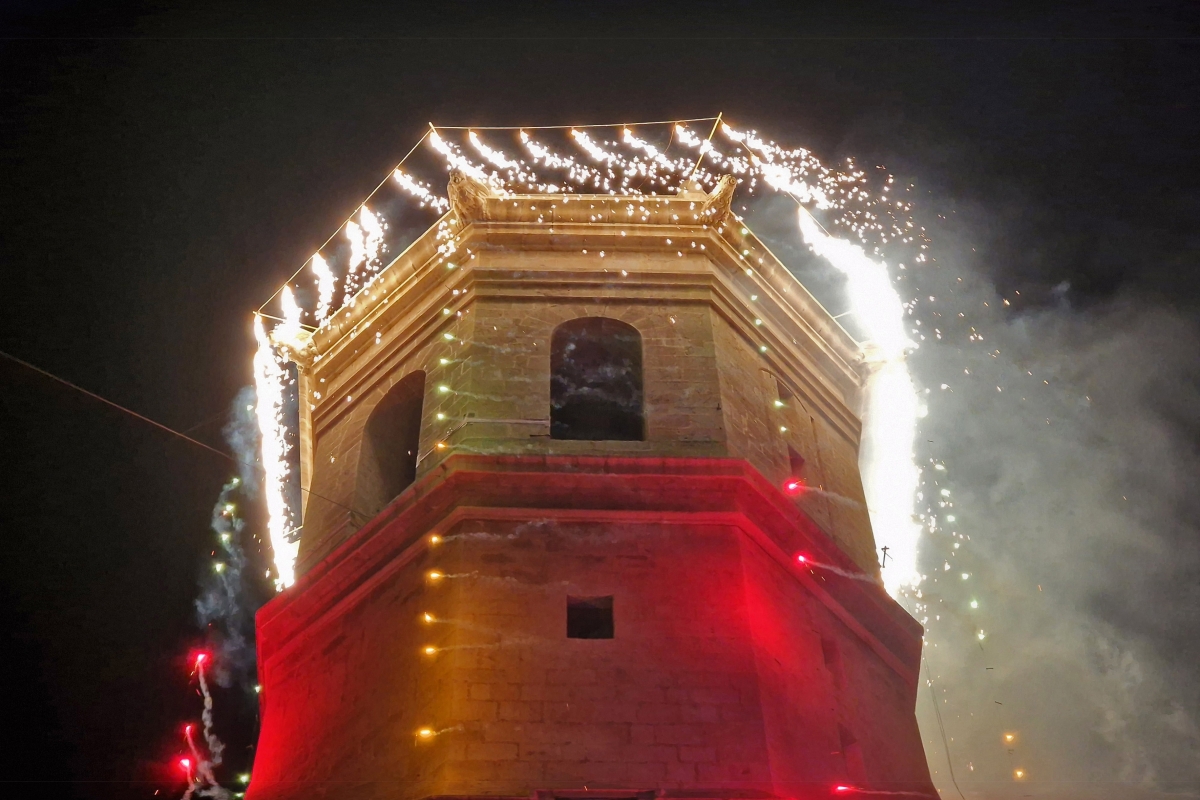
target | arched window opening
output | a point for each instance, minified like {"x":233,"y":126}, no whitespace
{"x":596,"y":381}
{"x":388,"y":462}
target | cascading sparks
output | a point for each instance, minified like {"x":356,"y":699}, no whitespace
{"x":889,"y":471}
{"x":326,"y":286}
{"x":629,"y":164}
{"x":270,"y":382}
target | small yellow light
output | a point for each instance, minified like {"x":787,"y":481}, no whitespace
{"x":782,"y":429}
{"x":1009,"y":738}
{"x":219,"y":567}
{"x":449,"y":337}
{"x":1019,"y":774}
{"x":779,"y":404}
{"x":435,"y":575}
{"x":428,"y":617}
{"x":425,"y":733}
{"x":435,"y":539}
{"x":443,"y":388}
{"x":430,"y":650}
{"x":440,"y":415}
{"x":258,"y":689}
{"x":244,"y":777}
{"x":441,"y":445}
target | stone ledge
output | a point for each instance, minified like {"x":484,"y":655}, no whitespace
{"x":687,"y":490}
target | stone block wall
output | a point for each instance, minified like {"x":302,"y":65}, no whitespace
{"x":333,"y":510}
{"x":714,"y":680}
{"x":761,"y":432}
{"x":707,"y":392}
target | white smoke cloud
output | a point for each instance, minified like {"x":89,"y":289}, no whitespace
{"x":1074,"y":485}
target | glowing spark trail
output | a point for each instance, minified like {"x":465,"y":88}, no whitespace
{"x":372,"y":240}
{"x":808,"y":563}
{"x":421,"y":192}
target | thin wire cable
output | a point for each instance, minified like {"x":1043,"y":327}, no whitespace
{"x":162,"y":427}
{"x":108,"y":402}
{"x":703,"y":152}
{"x":941,"y":727}
{"x":281,"y":319}
{"x":339,"y":227}
{"x":566,"y":127}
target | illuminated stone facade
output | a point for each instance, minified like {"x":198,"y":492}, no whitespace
{"x":731,"y":671}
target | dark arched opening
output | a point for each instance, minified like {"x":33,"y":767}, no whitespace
{"x":596,"y":381}
{"x":388,"y":462}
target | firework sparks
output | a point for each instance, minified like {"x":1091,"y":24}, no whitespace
{"x":270,"y":380}
{"x":630,"y":164}
{"x":890,"y":474}
{"x":326,"y":285}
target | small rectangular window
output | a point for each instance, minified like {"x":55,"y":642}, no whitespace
{"x":590,"y":617}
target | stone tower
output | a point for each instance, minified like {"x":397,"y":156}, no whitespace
{"x":562,"y":457}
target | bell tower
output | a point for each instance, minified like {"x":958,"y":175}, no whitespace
{"x":584,"y":519}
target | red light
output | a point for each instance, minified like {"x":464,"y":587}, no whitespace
{"x":843,"y":788}
{"x":793,"y":486}
{"x":804,"y":560}
{"x":185,"y":764}
{"x":200,"y":658}
{"x":187,"y":730}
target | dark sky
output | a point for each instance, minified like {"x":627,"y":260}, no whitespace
{"x":166,"y":166}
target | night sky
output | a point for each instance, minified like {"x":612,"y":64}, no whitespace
{"x":167,"y":166}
